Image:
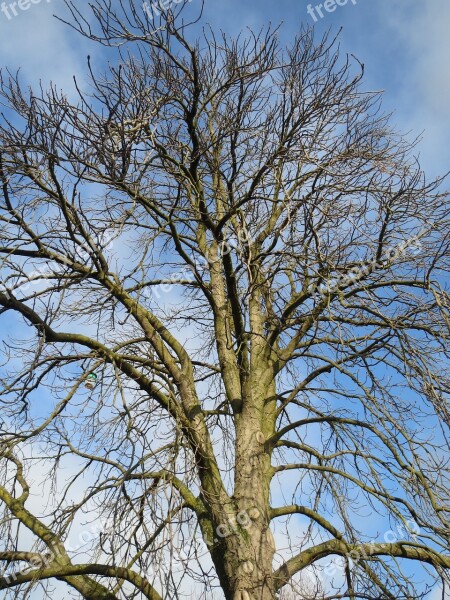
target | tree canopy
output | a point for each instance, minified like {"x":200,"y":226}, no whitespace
{"x":232,"y":273}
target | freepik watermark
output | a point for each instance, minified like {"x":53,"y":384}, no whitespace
{"x":243,"y":520}
{"x":10,"y":10}
{"x":185,"y":275}
{"x":329,"y":5}
{"x":104,"y":526}
{"x":236,"y":243}
{"x":364,"y":551}
{"x":44,"y":560}
{"x":105,"y":242}
{"x":347,"y":280}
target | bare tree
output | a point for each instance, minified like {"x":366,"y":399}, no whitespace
{"x":232,"y":248}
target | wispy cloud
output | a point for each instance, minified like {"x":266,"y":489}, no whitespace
{"x":41,"y":46}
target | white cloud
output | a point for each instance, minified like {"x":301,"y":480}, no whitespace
{"x":40,"y":45}
{"x":424,"y":89}
{"x":436,"y":594}
{"x":46,"y":49}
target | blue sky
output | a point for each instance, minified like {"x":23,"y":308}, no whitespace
{"x":404,"y":45}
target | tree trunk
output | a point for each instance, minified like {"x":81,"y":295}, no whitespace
{"x":244,"y":560}
{"x":250,"y":552}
